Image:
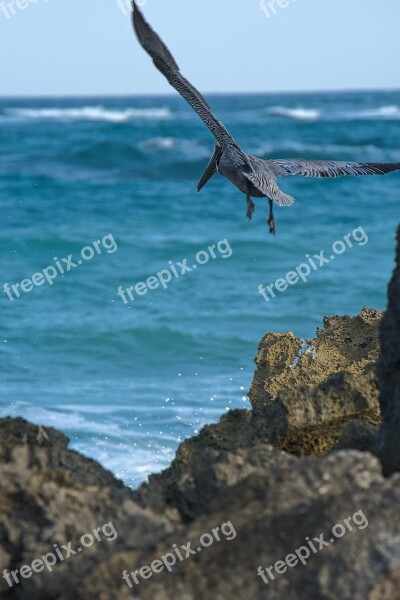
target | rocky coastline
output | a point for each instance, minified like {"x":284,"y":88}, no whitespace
{"x":317,"y":455}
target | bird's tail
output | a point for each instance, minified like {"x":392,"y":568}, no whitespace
{"x":269,"y":188}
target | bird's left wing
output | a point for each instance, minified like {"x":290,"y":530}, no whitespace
{"x":166,"y":64}
{"x":331,"y":169}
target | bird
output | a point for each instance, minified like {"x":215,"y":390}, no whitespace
{"x":253,"y":176}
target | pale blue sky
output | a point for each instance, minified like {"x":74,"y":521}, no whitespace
{"x":77,"y":47}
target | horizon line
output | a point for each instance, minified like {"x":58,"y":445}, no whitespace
{"x":173,"y":95}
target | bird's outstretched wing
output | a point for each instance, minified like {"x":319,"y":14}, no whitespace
{"x":331,"y":169}
{"x":165,"y":62}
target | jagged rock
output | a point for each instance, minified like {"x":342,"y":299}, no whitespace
{"x":211,"y":474}
{"x":389,"y":374}
{"x":303,"y":409}
{"x":304,"y":394}
{"x":272,"y":500}
{"x":233,"y":432}
{"x":51,"y":495}
{"x":358,"y":436}
{"x":306,"y":404}
{"x":309,"y":420}
{"x":345,"y":344}
{"x":273,"y":513}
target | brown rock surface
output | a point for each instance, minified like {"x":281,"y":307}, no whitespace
{"x":305,"y":393}
{"x":50,"y":495}
{"x":274,"y":504}
{"x":273,"y":513}
{"x":345,"y":344}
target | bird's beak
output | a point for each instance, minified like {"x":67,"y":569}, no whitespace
{"x":211,"y":169}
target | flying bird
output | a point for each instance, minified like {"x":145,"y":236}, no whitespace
{"x":255,"y":177}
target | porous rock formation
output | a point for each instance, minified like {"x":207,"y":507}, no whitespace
{"x":305,"y":394}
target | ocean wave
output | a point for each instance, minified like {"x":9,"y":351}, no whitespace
{"x":61,"y":419}
{"x":159,"y":143}
{"x":90,"y":113}
{"x":384,"y":112}
{"x":131,"y":464}
{"x":191,"y":149}
{"x":299,"y":113}
{"x":107,"y":154}
{"x":174,"y":156}
{"x":292,"y":146}
{"x":389,"y":112}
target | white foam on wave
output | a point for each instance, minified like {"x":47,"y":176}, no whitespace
{"x":383,"y":112}
{"x":90,"y":113}
{"x":61,"y":419}
{"x":159,"y":143}
{"x":129,"y":462}
{"x":389,"y":112}
{"x":299,"y":113}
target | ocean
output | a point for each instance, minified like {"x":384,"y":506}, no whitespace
{"x":98,"y":197}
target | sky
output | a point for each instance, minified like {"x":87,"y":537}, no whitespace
{"x":86,"y":47}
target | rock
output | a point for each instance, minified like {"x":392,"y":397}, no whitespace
{"x":51,"y":495}
{"x":233,"y":432}
{"x":271,"y":515}
{"x":264,"y":504}
{"x":211,"y":474}
{"x":304,"y":402}
{"x":389,"y":374}
{"x":303,"y":409}
{"x":305,"y":393}
{"x":308,"y":420}
{"x":358,"y":436}
{"x":345,"y":344}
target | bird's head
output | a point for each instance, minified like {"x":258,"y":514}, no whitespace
{"x":212,"y":167}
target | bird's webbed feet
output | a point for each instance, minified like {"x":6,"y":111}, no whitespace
{"x":271,"y":218}
{"x":250,"y":208}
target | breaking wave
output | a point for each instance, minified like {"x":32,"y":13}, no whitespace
{"x":390,"y":112}
{"x":90,"y":113}
{"x":300,"y":114}
{"x":384,"y":112}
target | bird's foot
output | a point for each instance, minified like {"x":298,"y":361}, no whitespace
{"x":42,"y":436}
{"x":271,"y":224}
{"x":250,"y":209}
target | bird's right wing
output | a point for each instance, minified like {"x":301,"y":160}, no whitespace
{"x":326,"y":168}
{"x":166,"y":64}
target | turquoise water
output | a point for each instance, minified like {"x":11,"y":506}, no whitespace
{"x":128,"y":381}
